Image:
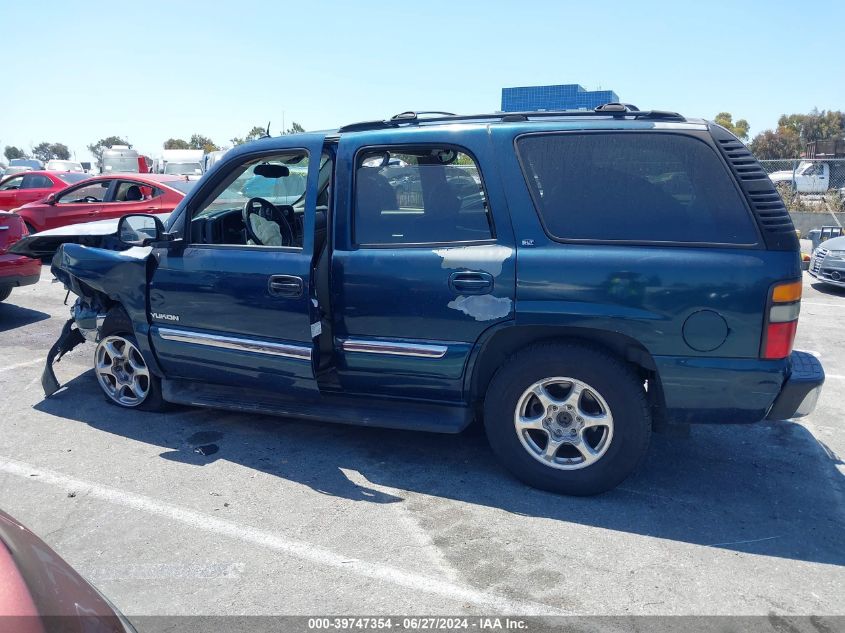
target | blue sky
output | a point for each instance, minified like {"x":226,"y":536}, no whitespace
{"x":76,"y":72}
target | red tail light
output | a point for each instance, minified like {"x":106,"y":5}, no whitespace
{"x":781,"y":320}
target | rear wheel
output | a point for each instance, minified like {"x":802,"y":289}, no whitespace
{"x":5,"y":291}
{"x":568,"y":418}
{"x":121,"y":370}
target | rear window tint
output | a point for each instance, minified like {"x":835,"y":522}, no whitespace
{"x":629,"y":186}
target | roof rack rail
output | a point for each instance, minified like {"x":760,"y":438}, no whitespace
{"x":414,"y":115}
{"x":615,"y":110}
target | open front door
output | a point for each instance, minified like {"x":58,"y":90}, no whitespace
{"x":233,"y":305}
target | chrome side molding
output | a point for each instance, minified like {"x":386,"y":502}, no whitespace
{"x":394,"y":348}
{"x":286,"y":350}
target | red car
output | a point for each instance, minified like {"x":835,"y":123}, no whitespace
{"x":29,"y":186}
{"x":105,"y":197}
{"x":15,"y":270}
{"x":41,"y":593}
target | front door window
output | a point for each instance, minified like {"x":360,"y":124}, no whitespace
{"x":261,"y":204}
{"x":93,"y":193}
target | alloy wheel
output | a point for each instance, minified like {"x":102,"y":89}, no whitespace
{"x":121,"y":371}
{"x":563,"y":423}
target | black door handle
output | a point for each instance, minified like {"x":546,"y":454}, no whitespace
{"x":471,"y":282}
{"x":285,"y":286}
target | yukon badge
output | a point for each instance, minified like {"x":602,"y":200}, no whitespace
{"x":166,"y":317}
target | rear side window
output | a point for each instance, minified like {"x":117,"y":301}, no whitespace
{"x":36,"y":181}
{"x":633,"y":187}
{"x":419,"y":195}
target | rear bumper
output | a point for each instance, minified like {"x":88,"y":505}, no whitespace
{"x":17,"y":270}
{"x":801,"y":390}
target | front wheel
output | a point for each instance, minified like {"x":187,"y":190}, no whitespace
{"x":5,"y":291}
{"x":121,"y":370}
{"x":568,"y":418}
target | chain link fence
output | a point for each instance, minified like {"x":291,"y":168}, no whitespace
{"x":808,"y":175}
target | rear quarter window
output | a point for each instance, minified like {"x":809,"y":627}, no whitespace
{"x":642,"y":187}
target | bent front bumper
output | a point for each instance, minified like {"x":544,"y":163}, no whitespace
{"x":800,"y":392}
{"x":68,"y":339}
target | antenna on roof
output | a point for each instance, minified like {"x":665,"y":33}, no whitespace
{"x":267,"y":131}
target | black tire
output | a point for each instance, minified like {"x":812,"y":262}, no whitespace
{"x":614,"y":380}
{"x":5,"y":291}
{"x":30,"y":229}
{"x":117,"y":323}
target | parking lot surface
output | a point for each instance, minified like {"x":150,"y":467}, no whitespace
{"x":206,"y":512}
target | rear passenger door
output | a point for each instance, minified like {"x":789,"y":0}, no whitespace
{"x":34,"y":187}
{"x":423,"y":260}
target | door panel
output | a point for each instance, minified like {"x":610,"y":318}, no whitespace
{"x":9,"y":197}
{"x":230,"y":328}
{"x":229,"y":314}
{"x":71,"y":213}
{"x":406,"y":317}
{"x":420,"y":330}
{"x":70,"y":208}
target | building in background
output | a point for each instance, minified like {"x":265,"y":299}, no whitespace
{"x":561,"y":97}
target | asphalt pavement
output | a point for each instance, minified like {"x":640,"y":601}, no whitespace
{"x":204,"y":512}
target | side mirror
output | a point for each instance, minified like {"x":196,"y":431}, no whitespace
{"x":140,"y":229}
{"x":50,"y":199}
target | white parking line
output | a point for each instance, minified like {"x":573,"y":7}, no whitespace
{"x":819,"y":303}
{"x":297,"y":549}
{"x":19,"y":365}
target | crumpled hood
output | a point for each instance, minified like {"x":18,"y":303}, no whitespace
{"x":99,"y":234}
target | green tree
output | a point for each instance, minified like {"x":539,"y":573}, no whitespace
{"x":176,"y":143}
{"x":783,"y":143}
{"x":48,"y":151}
{"x":60,"y":151}
{"x":814,"y":126}
{"x":11,"y":152}
{"x":794,"y":131}
{"x":255,"y":133}
{"x":103,"y":144}
{"x":198,"y":141}
{"x":739,"y":129}
{"x":295,"y":128}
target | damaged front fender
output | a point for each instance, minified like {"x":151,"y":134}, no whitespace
{"x":105,"y":279}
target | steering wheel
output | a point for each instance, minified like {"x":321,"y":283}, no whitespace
{"x":268,"y":211}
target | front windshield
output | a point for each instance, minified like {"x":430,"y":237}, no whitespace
{"x":121,"y":164}
{"x":277,"y":189}
{"x":63,"y":165}
{"x":183,"y":169}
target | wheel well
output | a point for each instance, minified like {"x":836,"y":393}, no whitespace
{"x":506,"y":341}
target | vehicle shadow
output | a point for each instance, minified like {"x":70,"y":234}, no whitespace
{"x":827,"y":289}
{"x":770,"y":489}
{"x":12,"y":316}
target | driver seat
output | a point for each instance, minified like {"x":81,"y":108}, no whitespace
{"x":265,"y":230}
